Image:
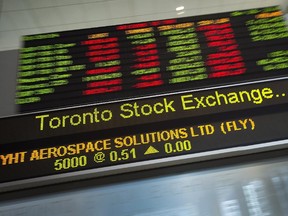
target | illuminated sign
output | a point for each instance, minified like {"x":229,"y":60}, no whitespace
{"x":55,"y":156}
{"x":177,"y":106}
{"x":131,"y":60}
{"x":154,"y":91}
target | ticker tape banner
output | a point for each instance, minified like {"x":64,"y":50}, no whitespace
{"x":234,"y":135}
{"x":144,"y":110}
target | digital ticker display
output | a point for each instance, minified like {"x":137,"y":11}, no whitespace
{"x":127,"y":132}
{"x":146,"y":111}
{"x":130,"y":60}
{"x":152,"y":91}
{"x":55,"y":156}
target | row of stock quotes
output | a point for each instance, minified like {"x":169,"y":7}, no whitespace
{"x":100,"y":64}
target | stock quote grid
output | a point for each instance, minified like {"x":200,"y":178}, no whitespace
{"x":109,"y":63}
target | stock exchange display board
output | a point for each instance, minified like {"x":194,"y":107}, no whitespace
{"x":131,"y":60}
{"x":160,"y":90}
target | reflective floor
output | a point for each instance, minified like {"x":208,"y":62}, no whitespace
{"x":258,"y":189}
